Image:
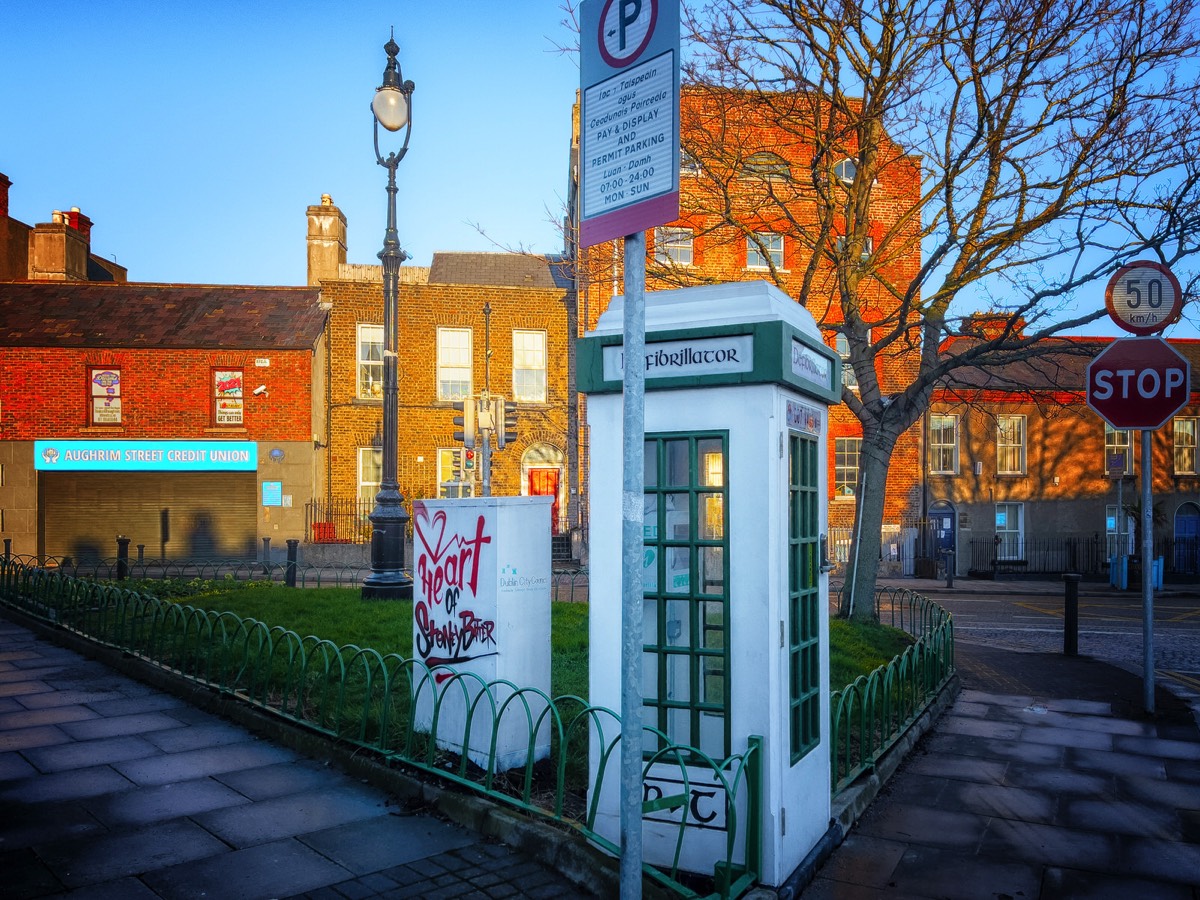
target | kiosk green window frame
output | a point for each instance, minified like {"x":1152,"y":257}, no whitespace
{"x":685,"y":580}
{"x":804,"y":601}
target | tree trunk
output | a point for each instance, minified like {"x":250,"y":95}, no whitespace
{"x":865,"y":549}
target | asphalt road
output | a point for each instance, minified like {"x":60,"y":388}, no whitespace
{"x":1110,"y":627}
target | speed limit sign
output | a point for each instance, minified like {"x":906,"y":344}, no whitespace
{"x":1144,"y":297}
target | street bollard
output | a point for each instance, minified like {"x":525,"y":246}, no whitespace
{"x":122,"y":558}
{"x":292,"y":543}
{"x":141,"y":553}
{"x":7,"y":549}
{"x":1071,"y":615}
{"x":949,"y":568}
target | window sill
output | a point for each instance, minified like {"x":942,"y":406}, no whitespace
{"x":367,"y":401}
{"x":767,"y":269}
{"x":226,"y":429}
{"x":1012,"y":474}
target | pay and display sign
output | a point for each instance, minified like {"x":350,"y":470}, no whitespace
{"x":629,"y":122}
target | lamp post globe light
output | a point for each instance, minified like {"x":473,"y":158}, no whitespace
{"x":391,"y":108}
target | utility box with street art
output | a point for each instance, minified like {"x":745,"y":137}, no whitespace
{"x":481,"y":622}
{"x":736,"y":635}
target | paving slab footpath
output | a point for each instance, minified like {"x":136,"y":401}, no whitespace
{"x":111,"y":788}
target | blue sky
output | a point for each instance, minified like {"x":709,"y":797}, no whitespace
{"x":196,"y":134}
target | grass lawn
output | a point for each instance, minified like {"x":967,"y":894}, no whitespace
{"x":341,"y":616}
{"x":858,"y":649}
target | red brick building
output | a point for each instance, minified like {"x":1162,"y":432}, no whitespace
{"x":749,"y":210}
{"x":1024,"y":475}
{"x":179,"y":416}
{"x":470,"y":323}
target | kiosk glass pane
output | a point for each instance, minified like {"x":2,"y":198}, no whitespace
{"x":803,"y":596}
{"x":686,"y":543}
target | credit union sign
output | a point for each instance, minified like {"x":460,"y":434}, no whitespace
{"x":145,"y":456}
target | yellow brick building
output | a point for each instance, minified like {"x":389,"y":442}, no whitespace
{"x":470,"y":323}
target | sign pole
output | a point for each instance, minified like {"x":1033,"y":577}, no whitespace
{"x":633,"y":504}
{"x":629,"y":181}
{"x":1147,"y":574}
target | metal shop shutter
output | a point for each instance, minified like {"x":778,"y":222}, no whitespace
{"x":188,"y":515}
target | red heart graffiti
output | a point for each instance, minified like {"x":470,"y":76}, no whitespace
{"x":425,"y":526}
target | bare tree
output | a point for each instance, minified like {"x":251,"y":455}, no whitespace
{"x":1052,"y":141}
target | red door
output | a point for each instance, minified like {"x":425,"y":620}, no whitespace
{"x":544,"y":483}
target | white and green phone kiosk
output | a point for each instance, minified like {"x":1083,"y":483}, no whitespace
{"x":738,"y":386}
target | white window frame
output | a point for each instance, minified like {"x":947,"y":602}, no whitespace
{"x":1007,"y":448}
{"x":941,"y":450}
{"x":674,"y":246}
{"x":367,"y":489}
{"x":446,"y":457}
{"x":843,"y":488}
{"x":1118,"y":440}
{"x":772,"y":258}
{"x":369,"y":365}
{"x":767,"y":165}
{"x":1183,"y":444}
{"x":104,"y":400}
{"x":1110,"y":531}
{"x":454,"y":360}
{"x":1012,"y":540}
{"x":529,"y":366}
{"x":868,"y":245}
{"x":845,"y":171}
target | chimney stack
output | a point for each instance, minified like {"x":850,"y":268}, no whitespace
{"x":326,"y":241}
{"x":5,"y":184}
{"x":59,"y":249}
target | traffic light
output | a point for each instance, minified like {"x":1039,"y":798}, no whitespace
{"x":465,"y":422}
{"x":504,"y":416}
{"x":456,"y":472}
{"x":470,"y":458}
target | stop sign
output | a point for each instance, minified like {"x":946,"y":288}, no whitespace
{"x":1138,"y":383}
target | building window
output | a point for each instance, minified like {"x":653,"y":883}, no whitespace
{"x":370,"y":362}
{"x":1118,"y":451}
{"x":845,"y":466}
{"x":943,"y":445}
{"x":867,"y":249}
{"x":845,"y":171}
{"x":529,"y":366}
{"x":766,"y":165}
{"x":689,"y":166}
{"x":1010,"y":445}
{"x":1010,"y":529}
{"x":804,"y":596}
{"x":370,"y":472}
{"x":1110,"y":531}
{"x":673,"y":246}
{"x":685,"y":584}
{"x":105,"y":393}
{"x":454,"y":363}
{"x":454,"y":478}
{"x":841,"y":344}
{"x":1185,"y":446}
{"x":764,"y":251}
{"x":228,"y":401}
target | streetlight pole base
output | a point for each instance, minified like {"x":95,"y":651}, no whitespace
{"x":387,"y":579}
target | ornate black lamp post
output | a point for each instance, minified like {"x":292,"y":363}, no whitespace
{"x":392,"y":108}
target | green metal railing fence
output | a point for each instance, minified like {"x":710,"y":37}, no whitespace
{"x":870,"y":715}
{"x":381,"y":703}
{"x":568,"y":584}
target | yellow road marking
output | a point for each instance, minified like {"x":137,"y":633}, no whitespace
{"x":1190,"y":680}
